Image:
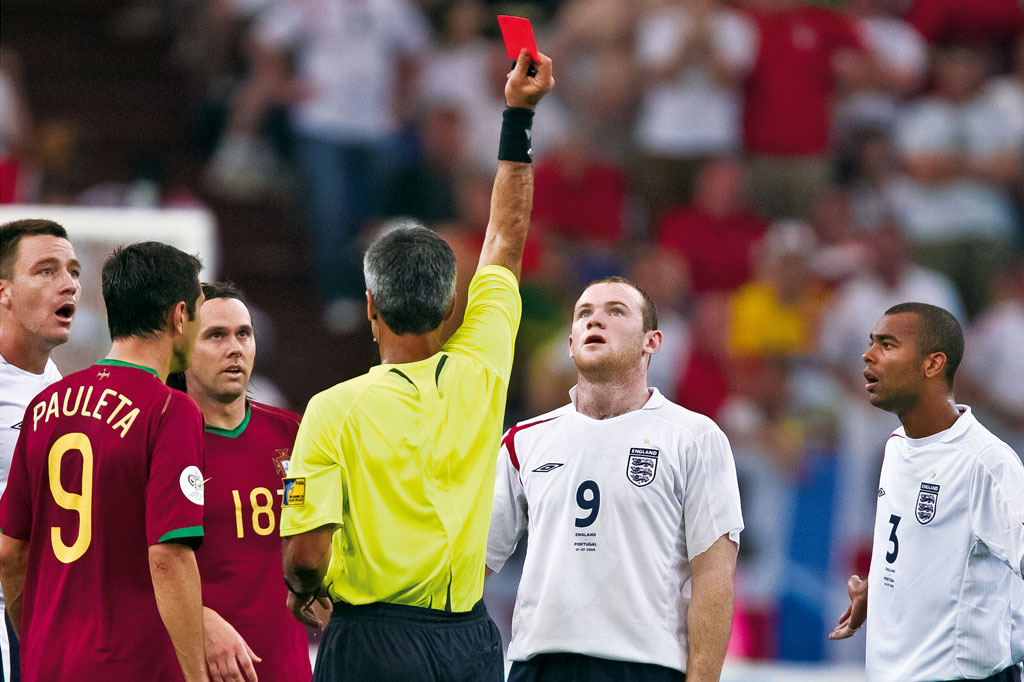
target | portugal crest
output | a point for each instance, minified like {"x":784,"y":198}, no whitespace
{"x":927,"y":499}
{"x":282,"y":460}
{"x":642,"y":466}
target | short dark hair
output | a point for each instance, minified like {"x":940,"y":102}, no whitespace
{"x":12,"y":233}
{"x":141,"y":282}
{"x":212,"y":290}
{"x":649,"y":311}
{"x":938,"y":332}
{"x":410,"y":271}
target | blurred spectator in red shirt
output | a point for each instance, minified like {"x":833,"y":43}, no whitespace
{"x":991,"y":26}
{"x":15,"y":129}
{"x":805,"y":53}
{"x":578,"y":196}
{"x":716,"y":233}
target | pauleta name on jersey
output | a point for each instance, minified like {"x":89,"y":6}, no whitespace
{"x":83,"y":405}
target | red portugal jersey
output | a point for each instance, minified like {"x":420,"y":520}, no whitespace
{"x":108,"y":463}
{"x":240,"y":562}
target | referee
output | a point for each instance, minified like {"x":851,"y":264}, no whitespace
{"x":388,"y":499}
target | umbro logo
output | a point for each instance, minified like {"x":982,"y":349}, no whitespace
{"x":17,"y":426}
{"x":550,"y":466}
{"x":881,"y":492}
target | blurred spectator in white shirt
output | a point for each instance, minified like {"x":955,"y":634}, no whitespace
{"x":959,"y":157}
{"x":693,"y":55}
{"x":993,"y":375}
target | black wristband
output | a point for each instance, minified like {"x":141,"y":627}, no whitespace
{"x":515,"y":135}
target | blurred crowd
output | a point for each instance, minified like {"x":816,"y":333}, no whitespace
{"x":775,"y":173}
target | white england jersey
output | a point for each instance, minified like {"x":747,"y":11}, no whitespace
{"x":945,"y":592}
{"x":17,"y":388}
{"x":615,"y":509}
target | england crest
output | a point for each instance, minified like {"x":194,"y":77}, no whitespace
{"x":927,"y":500}
{"x":642,"y":466}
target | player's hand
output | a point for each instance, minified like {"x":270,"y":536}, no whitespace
{"x":523,"y":90}
{"x":228,"y":657}
{"x":313,"y":611}
{"x":855,"y":615}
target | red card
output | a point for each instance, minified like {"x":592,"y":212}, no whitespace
{"x":518,"y":33}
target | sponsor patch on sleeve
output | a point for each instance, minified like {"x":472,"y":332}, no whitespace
{"x":191,"y":482}
{"x":294,"y":492}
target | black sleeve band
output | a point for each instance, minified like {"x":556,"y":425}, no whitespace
{"x":515,"y":135}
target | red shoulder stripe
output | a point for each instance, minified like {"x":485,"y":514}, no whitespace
{"x":509,"y":441}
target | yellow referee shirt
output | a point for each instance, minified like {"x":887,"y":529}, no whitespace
{"x":402,"y":459}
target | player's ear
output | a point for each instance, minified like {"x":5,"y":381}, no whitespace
{"x":934,"y":364}
{"x":451,"y":310}
{"x":652,"y":341}
{"x":176,"y":317}
{"x":5,"y":293}
{"x":371,"y":311}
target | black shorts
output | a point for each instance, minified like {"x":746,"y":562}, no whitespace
{"x":577,"y":667}
{"x":395,"y":643}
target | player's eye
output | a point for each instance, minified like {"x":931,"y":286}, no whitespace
{"x":76,"y":274}
{"x":616,"y":311}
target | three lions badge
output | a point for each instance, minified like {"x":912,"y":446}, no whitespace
{"x":642,"y":466}
{"x":927,"y":499}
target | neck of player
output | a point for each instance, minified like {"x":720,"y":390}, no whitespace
{"x":154,"y":353}
{"x":20,"y":351}
{"x":604,"y":397}
{"x":932,"y":414}
{"x":218,"y":414}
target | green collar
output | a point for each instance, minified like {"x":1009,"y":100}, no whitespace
{"x":120,"y":363}
{"x":233,"y":433}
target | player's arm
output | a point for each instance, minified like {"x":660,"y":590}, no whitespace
{"x":228,"y":656}
{"x":306,"y":557}
{"x":13,"y":565}
{"x":856,"y":613}
{"x":175,"y":575}
{"x":512,"y":196}
{"x":711,"y":607}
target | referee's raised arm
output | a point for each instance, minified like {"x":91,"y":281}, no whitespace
{"x":512,"y":197}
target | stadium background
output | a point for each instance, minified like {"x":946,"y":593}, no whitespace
{"x":769,"y":248}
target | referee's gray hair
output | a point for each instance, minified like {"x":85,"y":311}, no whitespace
{"x":410,"y":271}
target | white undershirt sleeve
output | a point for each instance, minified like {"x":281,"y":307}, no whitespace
{"x":997,"y":508}
{"x":711,"y":502}
{"x":509,"y":513}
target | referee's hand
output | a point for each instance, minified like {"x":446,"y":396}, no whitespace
{"x":855,"y":615}
{"x":312,"y":611}
{"x":228,"y":657}
{"x":523,"y":90}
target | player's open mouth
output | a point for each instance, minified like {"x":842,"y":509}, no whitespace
{"x":66,"y":312}
{"x":593,"y":338}
{"x":872,"y":380}
{"x":233,"y":369}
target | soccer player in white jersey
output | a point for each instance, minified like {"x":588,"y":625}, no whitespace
{"x":946,"y":587}
{"x":633,"y":513}
{"x":38,"y":293}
